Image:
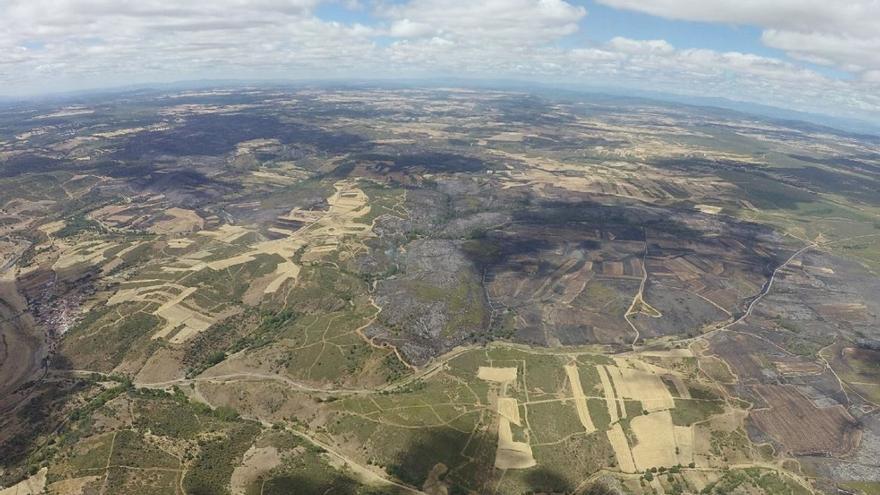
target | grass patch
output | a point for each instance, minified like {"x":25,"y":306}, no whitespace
{"x":217,"y":458}
{"x":747,"y":480}
{"x":131,"y":450}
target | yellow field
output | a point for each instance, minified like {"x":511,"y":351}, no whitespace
{"x":684,"y":441}
{"x":640,"y":384}
{"x":656,"y":440}
{"x":610,"y":398}
{"x":180,"y":243}
{"x":226,"y":233}
{"x":129,"y":249}
{"x":509,"y":408}
{"x":192,"y":321}
{"x":176,"y":315}
{"x":671,"y":353}
{"x":580,"y":401}
{"x":499,"y":375}
{"x":510,"y":454}
{"x":270,"y":176}
{"x":624,"y":457}
{"x":169,"y":311}
{"x":90,"y":253}
{"x":660,"y":443}
{"x":229,"y":262}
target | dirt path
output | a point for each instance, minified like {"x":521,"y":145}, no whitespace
{"x":638,"y":298}
{"x":245,"y":376}
{"x":764,"y":291}
{"x":360,"y":332}
{"x":842,"y":383}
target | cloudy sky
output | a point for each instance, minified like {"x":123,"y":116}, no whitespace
{"x":814,"y":55}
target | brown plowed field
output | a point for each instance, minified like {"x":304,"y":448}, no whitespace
{"x":739,"y":351}
{"x":800,"y":426}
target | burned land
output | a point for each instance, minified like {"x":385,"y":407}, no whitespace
{"x":367,"y":290}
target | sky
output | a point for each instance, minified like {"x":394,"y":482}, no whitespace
{"x":819,"y":56}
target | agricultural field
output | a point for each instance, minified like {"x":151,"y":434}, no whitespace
{"x":439,"y":291}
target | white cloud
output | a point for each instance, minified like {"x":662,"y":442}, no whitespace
{"x":405,"y":28}
{"x":838,"y":33}
{"x":626,"y":45}
{"x":851,"y":53}
{"x":509,"y":22}
{"x":69,"y":44}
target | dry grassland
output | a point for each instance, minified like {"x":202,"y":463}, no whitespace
{"x":34,"y":485}
{"x":512,"y":137}
{"x":684,"y":442}
{"x":52,"y":227}
{"x":284,"y":272}
{"x":131,"y":130}
{"x":709,"y":209}
{"x":163,"y":366}
{"x":432,"y":130}
{"x":433,"y":484}
{"x":797,"y":368}
{"x":90,"y":253}
{"x":181,"y":220}
{"x":256,"y":461}
{"x":72,"y":486}
{"x":612,"y":268}
{"x":254,"y":145}
{"x":620,"y":179}
{"x":273,"y":177}
{"x":66,"y":112}
{"x":680,"y":387}
{"x":658,"y":441}
{"x":202,"y":109}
